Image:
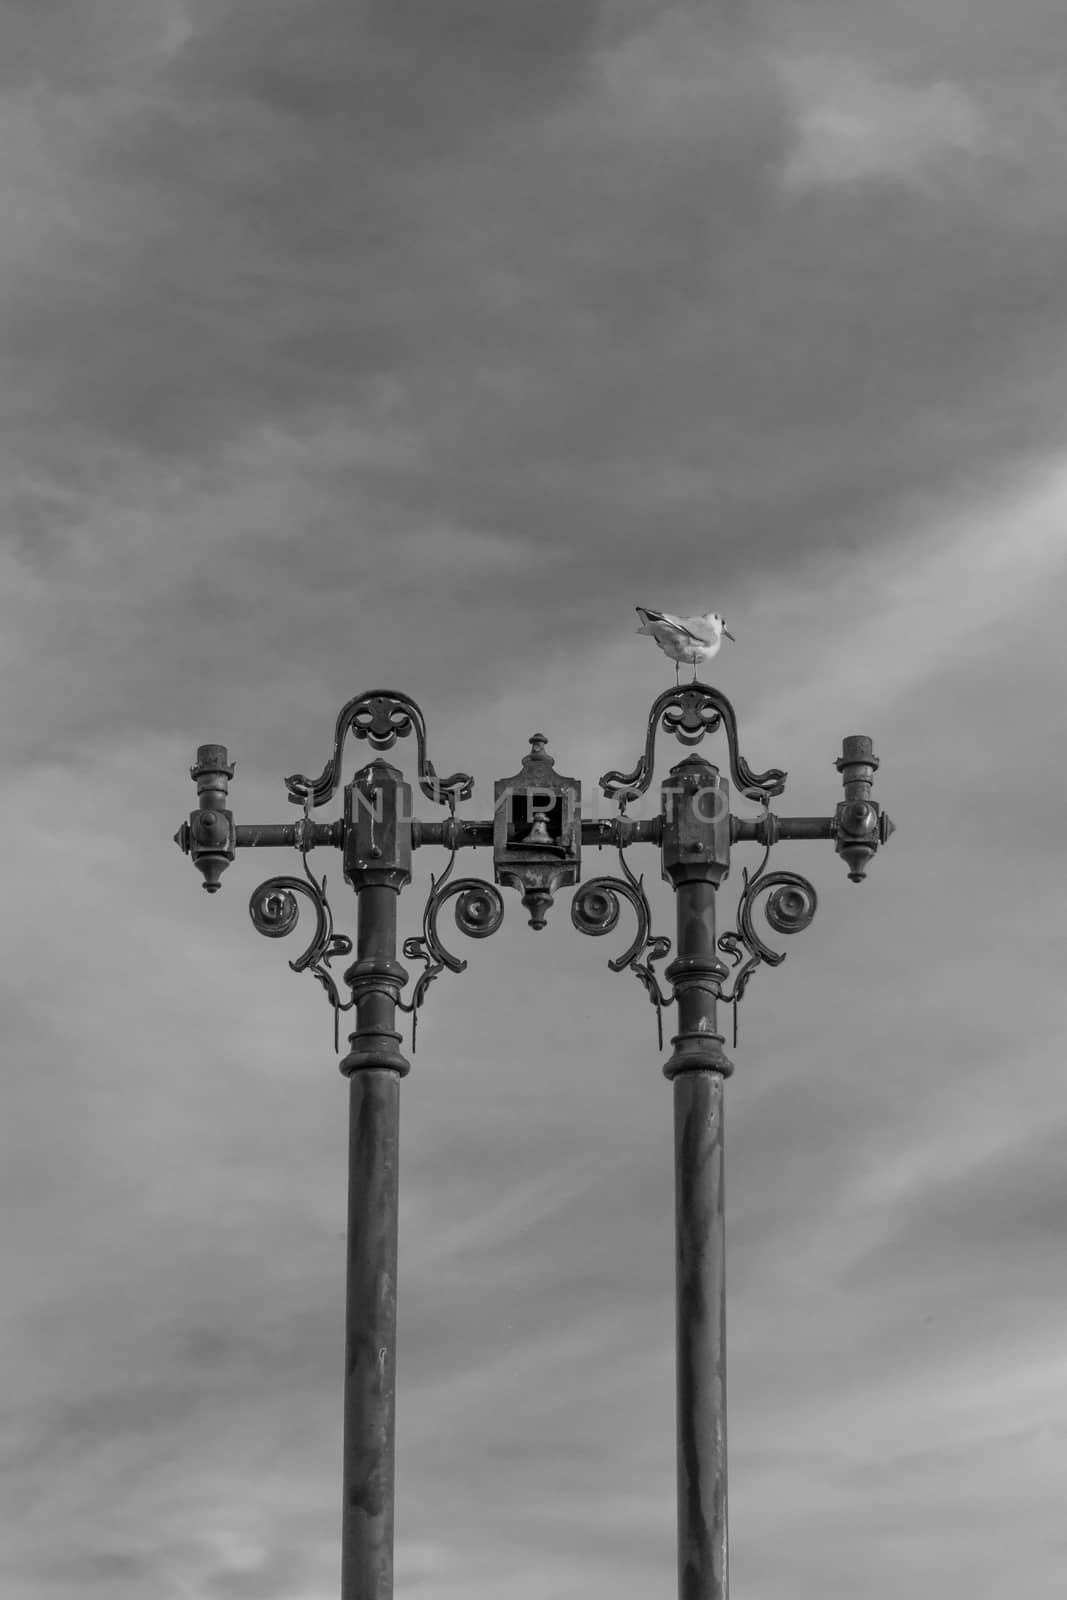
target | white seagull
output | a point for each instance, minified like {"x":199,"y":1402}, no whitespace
{"x":691,"y":639}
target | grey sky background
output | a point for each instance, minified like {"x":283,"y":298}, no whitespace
{"x":411,"y":344}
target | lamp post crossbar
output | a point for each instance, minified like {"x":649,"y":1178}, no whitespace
{"x":536,"y":834}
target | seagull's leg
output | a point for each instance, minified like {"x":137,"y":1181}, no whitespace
{"x":677,"y":669}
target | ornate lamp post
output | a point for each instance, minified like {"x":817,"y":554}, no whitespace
{"x":536,"y":834}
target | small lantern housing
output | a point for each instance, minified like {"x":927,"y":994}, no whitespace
{"x":537,"y":831}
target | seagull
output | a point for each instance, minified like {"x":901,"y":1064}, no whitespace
{"x":692,"y":639}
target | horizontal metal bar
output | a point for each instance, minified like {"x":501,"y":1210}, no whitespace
{"x":251,"y":834}
{"x":769,"y":829}
{"x":623,"y":831}
{"x":456,"y":833}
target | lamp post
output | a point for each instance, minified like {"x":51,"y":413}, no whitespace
{"x":536,"y":835}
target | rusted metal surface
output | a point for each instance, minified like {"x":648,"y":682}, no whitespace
{"x":458,"y":833}
{"x":209,"y":836}
{"x":377,"y":831}
{"x":695,"y":859}
{"x":370,"y":1337}
{"x":377,"y":862}
{"x":700,"y":1285}
{"x":376,"y":979}
{"x":381,"y":716}
{"x":689,"y":713}
{"x":595,"y":910}
{"x":695,"y":856}
{"x":537,"y":833}
{"x":455,"y":833}
{"x":790,"y":907}
{"x":768,"y":829}
{"x":695,"y":802}
{"x":695,"y":975}
{"x":479,"y":912}
{"x":860,"y":825}
{"x":275,"y":912}
{"x":300,"y":835}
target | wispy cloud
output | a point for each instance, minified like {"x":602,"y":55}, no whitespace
{"x":853,"y":126}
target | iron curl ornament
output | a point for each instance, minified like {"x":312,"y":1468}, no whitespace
{"x":381,"y":716}
{"x":275,"y":912}
{"x":479,"y":912}
{"x":688,"y":713}
{"x":790,"y":908}
{"x":595,"y":910}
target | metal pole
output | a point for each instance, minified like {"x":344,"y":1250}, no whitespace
{"x":369,"y":1451}
{"x":377,"y":862}
{"x":695,"y":860}
{"x":700,"y":1299}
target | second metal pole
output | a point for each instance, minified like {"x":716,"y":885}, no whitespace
{"x":370,"y":1337}
{"x":700,"y":1255}
{"x":696,"y":854}
{"x":378,"y":864}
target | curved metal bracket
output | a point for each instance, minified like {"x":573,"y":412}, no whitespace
{"x":479,"y":912}
{"x":595,"y":910}
{"x":382,"y":716}
{"x":689,"y":713}
{"x":275,"y":912}
{"x":790,"y":909}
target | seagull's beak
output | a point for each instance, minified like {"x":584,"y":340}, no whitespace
{"x":728,"y":635}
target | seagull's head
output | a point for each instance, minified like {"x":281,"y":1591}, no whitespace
{"x":713,"y":620}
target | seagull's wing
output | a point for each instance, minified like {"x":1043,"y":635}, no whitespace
{"x":697,"y":628}
{"x":664,"y":619}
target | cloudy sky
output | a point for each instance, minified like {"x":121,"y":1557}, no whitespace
{"x":410,"y":343}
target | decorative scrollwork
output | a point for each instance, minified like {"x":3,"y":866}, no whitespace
{"x":479,"y":911}
{"x":275,"y":911}
{"x":689,"y":713}
{"x":595,"y":910}
{"x":790,"y":908}
{"x":381,"y":716}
